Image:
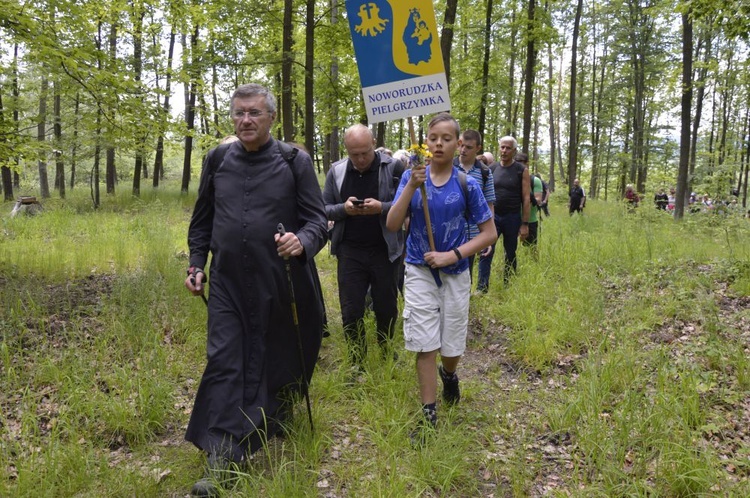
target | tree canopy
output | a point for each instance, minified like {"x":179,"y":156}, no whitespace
{"x":128,"y":81}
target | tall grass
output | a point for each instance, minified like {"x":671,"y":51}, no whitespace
{"x":615,"y":364}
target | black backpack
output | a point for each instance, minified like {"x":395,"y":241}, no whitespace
{"x":531,"y":187}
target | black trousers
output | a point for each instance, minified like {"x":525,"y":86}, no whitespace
{"x":360,"y":269}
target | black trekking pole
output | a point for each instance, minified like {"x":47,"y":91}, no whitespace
{"x":305,"y":384}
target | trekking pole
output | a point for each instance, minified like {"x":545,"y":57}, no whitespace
{"x":305,"y":384}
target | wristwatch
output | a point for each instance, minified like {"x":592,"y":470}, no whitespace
{"x":525,"y":223}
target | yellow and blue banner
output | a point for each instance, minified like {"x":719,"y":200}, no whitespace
{"x":397,"y":45}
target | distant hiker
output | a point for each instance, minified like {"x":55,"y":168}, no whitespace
{"x":535,"y":211}
{"x":468,"y":146}
{"x":544,"y":206}
{"x":254,"y":361}
{"x":437,"y":285}
{"x":671,"y":200}
{"x":486,"y":158}
{"x":512,"y":211}
{"x":577,"y":198}
{"x":631,"y":197}
{"x":661,"y":200}
{"x":357,"y":194}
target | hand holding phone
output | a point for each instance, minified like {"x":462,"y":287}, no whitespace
{"x":358,"y":202}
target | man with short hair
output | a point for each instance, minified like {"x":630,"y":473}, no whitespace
{"x":577,"y":198}
{"x":258,"y":353}
{"x":358,"y":192}
{"x":512,"y":210}
{"x":468,"y":145}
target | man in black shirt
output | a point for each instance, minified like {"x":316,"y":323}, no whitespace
{"x":512,"y":210}
{"x":577,"y":198}
{"x":357,"y":195}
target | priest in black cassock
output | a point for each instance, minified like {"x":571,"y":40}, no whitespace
{"x":246,"y":189}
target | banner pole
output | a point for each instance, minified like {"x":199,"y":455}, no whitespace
{"x":423,"y":191}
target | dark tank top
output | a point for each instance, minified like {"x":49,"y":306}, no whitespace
{"x":508,"y":187}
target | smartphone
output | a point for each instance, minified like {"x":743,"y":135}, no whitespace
{"x":358,"y":202}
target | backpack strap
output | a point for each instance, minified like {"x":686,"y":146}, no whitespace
{"x":215,"y":160}
{"x":465,"y":192}
{"x":287,"y":152}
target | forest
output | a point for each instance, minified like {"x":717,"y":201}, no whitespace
{"x":653,"y":93}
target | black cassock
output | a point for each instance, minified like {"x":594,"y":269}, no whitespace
{"x":253,"y":353}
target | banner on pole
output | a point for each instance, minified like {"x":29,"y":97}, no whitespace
{"x":398,"y":54}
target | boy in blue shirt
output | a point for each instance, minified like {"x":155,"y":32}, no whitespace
{"x":436,"y":284}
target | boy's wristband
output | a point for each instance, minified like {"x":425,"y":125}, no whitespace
{"x":458,"y":254}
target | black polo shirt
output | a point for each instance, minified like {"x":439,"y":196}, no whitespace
{"x":362,"y":231}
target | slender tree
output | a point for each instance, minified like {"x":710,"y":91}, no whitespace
{"x":572,"y":139}
{"x":686,"y":108}
{"x":529,"y":72}
{"x":57,"y":131}
{"x":485,"y":69}
{"x":287,"y":116}
{"x":309,"y":77}
{"x":446,"y":36}
{"x":5,"y":173}
{"x":41,"y":136}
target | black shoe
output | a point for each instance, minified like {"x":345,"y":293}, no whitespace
{"x":204,"y":487}
{"x":451,"y":391}
{"x":216,"y":473}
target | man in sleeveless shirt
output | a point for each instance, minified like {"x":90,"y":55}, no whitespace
{"x":512,"y":210}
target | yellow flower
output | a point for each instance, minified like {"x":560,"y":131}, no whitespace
{"x":418,"y":153}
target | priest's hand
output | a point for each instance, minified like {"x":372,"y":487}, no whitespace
{"x":288,"y":245}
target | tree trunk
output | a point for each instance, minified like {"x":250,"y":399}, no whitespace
{"x":309,"y":78}
{"x":446,"y":36}
{"x":16,"y":115}
{"x":111,"y":168}
{"x":700,"y":84}
{"x":190,"y":110}
{"x":57,"y":129}
{"x":140,"y":165}
{"x":95,"y":195}
{"x":333,"y":139}
{"x":485,"y":71}
{"x":41,"y":136}
{"x":552,"y":120}
{"x":686,"y":108}
{"x":528,"y":102}
{"x":572,"y":140}
{"x":215,"y":100}
{"x":380,"y":135}
{"x":158,"y":172}
{"x":509,"y":120}
{"x":5,"y":174}
{"x":74,"y":145}
{"x":287,"y":113}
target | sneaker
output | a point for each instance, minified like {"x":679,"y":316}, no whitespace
{"x":424,"y":429}
{"x":451,"y":391}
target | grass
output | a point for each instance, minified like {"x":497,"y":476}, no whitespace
{"x":616,"y":364}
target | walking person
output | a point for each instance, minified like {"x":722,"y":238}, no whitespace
{"x":512,"y":211}
{"x":255,"y":345}
{"x":437,"y":285}
{"x":468,"y":146}
{"x":576,"y":198}
{"x":535,"y":226}
{"x":357,"y":194}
